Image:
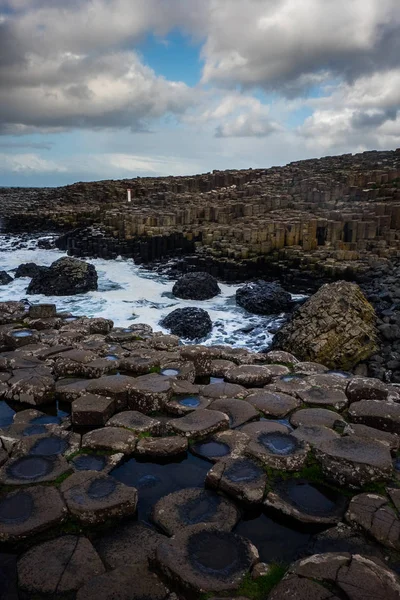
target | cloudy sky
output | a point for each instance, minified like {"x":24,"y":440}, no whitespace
{"x":99,"y":89}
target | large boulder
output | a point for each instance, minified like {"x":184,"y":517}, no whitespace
{"x":188,"y":323}
{"x":65,"y":277}
{"x":196,"y":286}
{"x":335,"y":327}
{"x":5,"y":278}
{"x":263,"y":298}
{"x":28,"y":270}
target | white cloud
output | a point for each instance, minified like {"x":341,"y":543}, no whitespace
{"x":29,"y":163}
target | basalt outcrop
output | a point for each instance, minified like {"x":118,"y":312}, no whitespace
{"x":65,"y":277}
{"x":273,"y":461}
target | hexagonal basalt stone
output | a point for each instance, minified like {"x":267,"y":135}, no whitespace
{"x":281,"y":357}
{"x":314,"y":435}
{"x":377,"y":413}
{"x":249,"y":375}
{"x":55,"y":443}
{"x":91,"y":410}
{"x":240,"y":478}
{"x":203,"y":559}
{"x":140,"y":363}
{"x":199,"y":423}
{"x":191,"y":507}
{"x":58,"y":567}
{"x":335,"y":575}
{"x":186,"y":403}
{"x":200,"y":356}
{"x":257,"y":427}
{"x":366,"y":388}
{"x":93,"y":498}
{"x":32,"y":416}
{"x":128,"y":543}
{"x":136,"y":583}
{"x":162,"y":447}
{"x":278,"y":450}
{"x":220,"y":367}
{"x":135,"y":421}
{"x":117,"y":387}
{"x":329,"y":381}
{"x":30,"y":387}
{"x":322,"y":397}
{"x":150,"y":393}
{"x":17,"y":338}
{"x":309,"y":368}
{"x":307,"y":503}
{"x":224,"y":390}
{"x":25,"y":470}
{"x":272,"y":404}
{"x":238,"y":411}
{"x":182,"y":371}
{"x":315,"y":416}
{"x":289,"y":384}
{"x":67,"y":390}
{"x":26,"y":512}
{"x":354,"y":461}
{"x":373,"y":515}
{"x":392,"y":440}
{"x":223,"y":445}
{"x":115,"y":439}
{"x":96,"y":462}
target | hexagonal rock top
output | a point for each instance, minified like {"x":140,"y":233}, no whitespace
{"x":135,"y":421}
{"x":172,"y":445}
{"x":272,"y":404}
{"x":278,"y":450}
{"x":335,"y":575}
{"x":318,"y":396}
{"x":306,"y":502}
{"x":315,"y":416}
{"x":238,"y":411}
{"x":203,"y":559}
{"x":150,"y":393}
{"x":224,"y":390}
{"x":115,"y":439}
{"x":223,"y":445}
{"x":249,"y":375}
{"x":60,"y":566}
{"x":199,"y":423}
{"x":91,"y":410}
{"x":126,"y":583}
{"x":354,"y":461}
{"x":192,"y":506}
{"x":373,"y":514}
{"x":24,"y":513}
{"x":25,"y":470}
{"x":92,"y":498}
{"x":241,"y":478}
{"x":377,"y":413}
{"x":55,"y":443}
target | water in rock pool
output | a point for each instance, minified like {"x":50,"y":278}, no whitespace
{"x":129,"y":294}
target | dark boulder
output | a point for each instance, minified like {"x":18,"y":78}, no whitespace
{"x":196,"y":286}
{"x":46,"y":244}
{"x":5,"y":278}
{"x":65,"y":277}
{"x":189,"y":323}
{"x":28,"y":270}
{"x":263,"y":298}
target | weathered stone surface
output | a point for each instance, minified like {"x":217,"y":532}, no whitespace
{"x":91,"y":410}
{"x":87,"y":461}
{"x":372,"y":514}
{"x":135,"y":421}
{"x":366,"y":388}
{"x":309,"y":368}
{"x":117,"y":387}
{"x":281,"y":357}
{"x":24,"y":513}
{"x":203,"y":559}
{"x":70,"y":562}
{"x":322,"y":397}
{"x":115,"y":439}
{"x":238,"y":411}
{"x":42,"y":311}
{"x":249,"y":375}
{"x":391,"y":440}
{"x":263,"y":298}
{"x":377,"y":413}
{"x":5,"y":278}
{"x":199,"y":423}
{"x":162,"y":447}
{"x":240,"y":478}
{"x":333,"y":576}
{"x":200,"y":356}
{"x":186,"y":403}
{"x":335,"y":327}
{"x":354,"y":461}
{"x":224,"y":390}
{"x":278,"y":450}
{"x":196,"y":286}
{"x":272,"y":404}
{"x":149,"y":393}
{"x":192,"y":506}
{"x":65,"y":277}
{"x":219,"y":367}
{"x":315,"y":416}
{"x":314,"y":435}
{"x":222,"y":445}
{"x":54,"y":443}
{"x":94,"y":497}
{"x":128,"y":544}
{"x":67,"y":390}
{"x":26,"y":470}
{"x":134,"y":583}
{"x":289,"y":384}
{"x":264,"y":426}
{"x":188,"y":323}
{"x":30,"y":387}
{"x":27,"y":270}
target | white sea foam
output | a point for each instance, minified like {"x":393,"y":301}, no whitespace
{"x":129,"y":294}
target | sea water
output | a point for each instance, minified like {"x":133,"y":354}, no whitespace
{"x":130,"y":294}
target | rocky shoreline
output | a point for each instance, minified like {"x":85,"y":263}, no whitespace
{"x":114,"y":440}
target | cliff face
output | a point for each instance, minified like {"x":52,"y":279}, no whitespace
{"x":332,"y":214}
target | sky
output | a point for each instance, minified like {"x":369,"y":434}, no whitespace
{"x":110,"y":89}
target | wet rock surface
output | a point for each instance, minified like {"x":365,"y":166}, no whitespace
{"x":188,"y":323}
{"x":283,"y":459}
{"x":196,"y":286}
{"x":263,"y":298}
{"x":65,"y":277}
